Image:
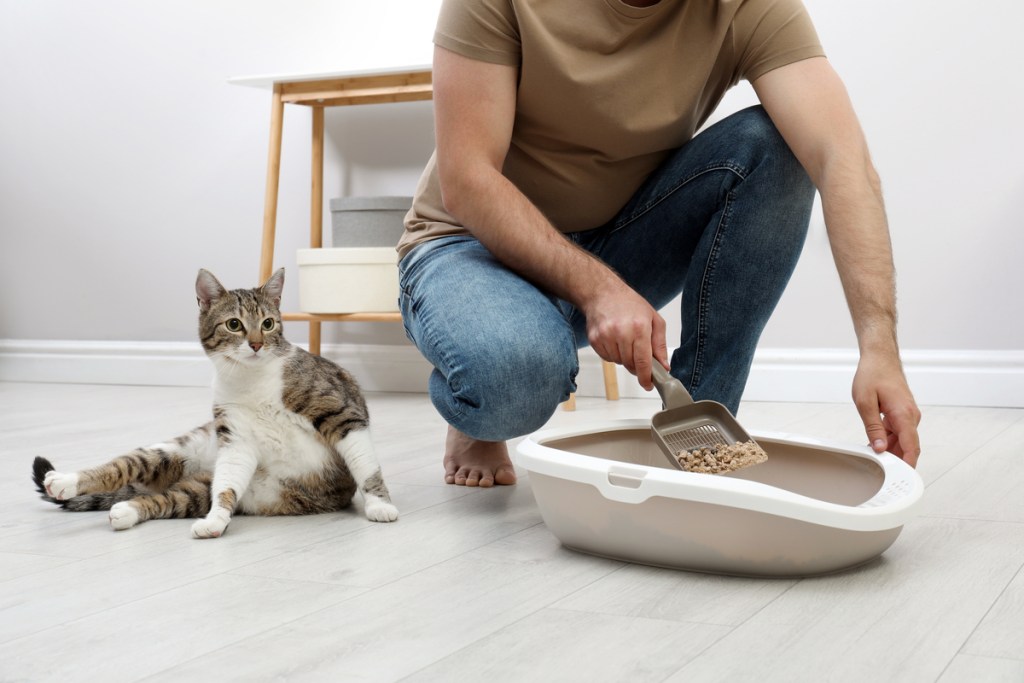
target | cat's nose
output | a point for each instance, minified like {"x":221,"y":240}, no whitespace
{"x":255,"y":346}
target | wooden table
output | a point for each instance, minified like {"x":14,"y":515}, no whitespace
{"x":337,"y":89}
{"x":318,"y":91}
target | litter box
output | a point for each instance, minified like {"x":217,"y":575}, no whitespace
{"x":813,"y":508}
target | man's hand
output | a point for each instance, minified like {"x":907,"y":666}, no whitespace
{"x":623,"y":328}
{"x":887,"y":408}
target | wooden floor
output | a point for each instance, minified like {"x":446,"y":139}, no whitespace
{"x":469,"y":585}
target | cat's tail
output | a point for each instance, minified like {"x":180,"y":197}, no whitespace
{"x":40,"y":466}
{"x":83,"y":503}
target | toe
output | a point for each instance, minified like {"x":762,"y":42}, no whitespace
{"x":505,"y":476}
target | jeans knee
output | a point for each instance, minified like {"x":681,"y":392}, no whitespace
{"x":507,"y":393}
{"x":757,"y":131}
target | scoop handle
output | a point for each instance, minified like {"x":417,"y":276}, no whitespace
{"x":673,"y":393}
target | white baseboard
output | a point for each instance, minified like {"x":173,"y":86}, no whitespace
{"x":377,"y":367}
{"x":946,"y":377}
{"x":952,"y":377}
{"x":104,"y":362}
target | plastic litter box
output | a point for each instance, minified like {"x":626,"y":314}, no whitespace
{"x":813,"y":508}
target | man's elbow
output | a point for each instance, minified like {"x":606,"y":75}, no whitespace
{"x":458,"y":188}
{"x":451,"y":197}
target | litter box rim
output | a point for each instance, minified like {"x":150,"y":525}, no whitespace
{"x":900,"y":491}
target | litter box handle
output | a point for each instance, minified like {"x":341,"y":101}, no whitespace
{"x":623,"y":484}
{"x":673,"y":393}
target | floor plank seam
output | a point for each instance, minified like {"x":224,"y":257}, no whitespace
{"x":995,"y":601}
{"x":119,"y":605}
{"x":733,"y":628}
{"x":257,"y":634}
{"x":977,"y":449}
{"x":961,"y":518}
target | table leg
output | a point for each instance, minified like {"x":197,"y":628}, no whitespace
{"x":314,"y":337}
{"x":316,"y":207}
{"x":611,"y":381}
{"x":273,"y":182}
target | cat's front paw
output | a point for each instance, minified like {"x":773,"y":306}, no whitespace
{"x":211,"y":526}
{"x":61,"y":486}
{"x":379,"y":511}
{"x":123,"y":516}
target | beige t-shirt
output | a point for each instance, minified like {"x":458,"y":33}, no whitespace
{"x":606,"y":91}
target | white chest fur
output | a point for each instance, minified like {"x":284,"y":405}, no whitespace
{"x":284,"y":444}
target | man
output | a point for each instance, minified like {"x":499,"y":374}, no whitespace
{"x":568,"y":200}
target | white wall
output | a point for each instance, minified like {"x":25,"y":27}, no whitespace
{"x":127,"y":162}
{"x":937,"y":89}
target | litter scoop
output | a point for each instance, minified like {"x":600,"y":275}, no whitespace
{"x":699,"y":436}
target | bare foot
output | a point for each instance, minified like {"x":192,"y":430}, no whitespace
{"x":468,"y":462}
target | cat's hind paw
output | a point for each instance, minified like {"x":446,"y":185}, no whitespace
{"x":210,"y":527}
{"x":123,"y":515}
{"x":61,"y":486}
{"x":379,"y":511}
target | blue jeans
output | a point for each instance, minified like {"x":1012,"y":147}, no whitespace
{"x":723,"y":221}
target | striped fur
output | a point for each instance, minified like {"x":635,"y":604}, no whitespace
{"x":289,"y":434}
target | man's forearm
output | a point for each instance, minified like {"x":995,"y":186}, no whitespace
{"x":516,"y":232}
{"x":859,"y":236}
{"x":810,"y":106}
{"x":622,"y":327}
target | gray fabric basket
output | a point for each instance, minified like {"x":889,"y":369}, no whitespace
{"x":368,"y":221}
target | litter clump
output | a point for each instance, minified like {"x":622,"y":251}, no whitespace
{"x":722,"y":458}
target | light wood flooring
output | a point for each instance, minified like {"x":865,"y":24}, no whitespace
{"x":469,"y":585}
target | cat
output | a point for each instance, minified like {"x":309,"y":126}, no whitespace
{"x":289,"y":434}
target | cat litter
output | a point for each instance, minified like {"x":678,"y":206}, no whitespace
{"x":722,"y":457}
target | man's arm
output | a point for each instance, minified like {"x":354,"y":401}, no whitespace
{"x":474,"y":105}
{"x":809,"y":105}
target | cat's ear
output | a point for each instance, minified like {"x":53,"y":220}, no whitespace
{"x":274,"y":286}
{"x":208,"y":289}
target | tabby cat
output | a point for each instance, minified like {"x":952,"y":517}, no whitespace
{"x":288,"y":437}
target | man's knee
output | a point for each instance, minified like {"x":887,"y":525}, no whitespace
{"x":756,"y":130}
{"x":506,"y":393}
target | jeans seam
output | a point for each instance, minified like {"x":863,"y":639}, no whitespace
{"x":704,"y":297}
{"x":443,"y":356}
{"x":740,"y":172}
{"x":575,"y":370}
{"x":405,"y":300}
{"x":427,"y":328}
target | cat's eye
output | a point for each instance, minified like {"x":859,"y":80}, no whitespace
{"x":234,"y":325}
{"x":268,"y":324}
